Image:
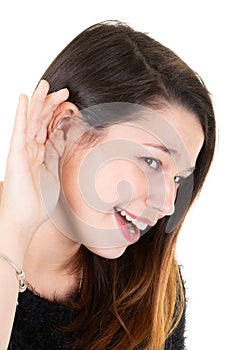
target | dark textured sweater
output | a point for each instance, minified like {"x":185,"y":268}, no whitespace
{"x":36,"y":319}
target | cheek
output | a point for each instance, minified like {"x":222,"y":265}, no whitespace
{"x":119,"y":179}
{"x":70,"y":188}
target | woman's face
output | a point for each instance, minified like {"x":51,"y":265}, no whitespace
{"x":135,"y":170}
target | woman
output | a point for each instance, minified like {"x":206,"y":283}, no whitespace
{"x":103,"y":166}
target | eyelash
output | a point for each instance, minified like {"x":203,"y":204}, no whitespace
{"x":158,"y":162}
{"x":177,"y":179}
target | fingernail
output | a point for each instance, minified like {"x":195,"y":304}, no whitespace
{"x":43,"y":82}
{"x":64,"y":90}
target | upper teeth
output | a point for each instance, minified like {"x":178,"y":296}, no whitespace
{"x":141,"y":225}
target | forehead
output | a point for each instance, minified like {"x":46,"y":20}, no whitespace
{"x":174,"y":130}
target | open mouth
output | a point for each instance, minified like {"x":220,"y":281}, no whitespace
{"x":129,"y":230}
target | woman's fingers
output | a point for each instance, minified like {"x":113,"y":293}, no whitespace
{"x":52,"y":101}
{"x":18,"y":138}
{"x":35,"y":107}
{"x":41,"y":109}
{"x":31,"y":121}
{"x":32,"y":165}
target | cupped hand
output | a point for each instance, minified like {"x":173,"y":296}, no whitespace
{"x":22,"y":201}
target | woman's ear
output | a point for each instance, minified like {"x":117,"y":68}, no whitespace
{"x":65,"y":109}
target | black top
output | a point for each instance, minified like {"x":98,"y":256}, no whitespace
{"x":36,"y":319}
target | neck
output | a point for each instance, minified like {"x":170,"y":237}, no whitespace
{"x":49,"y":251}
{"x":46,"y":262}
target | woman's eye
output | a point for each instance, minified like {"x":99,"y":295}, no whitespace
{"x":152,"y":162}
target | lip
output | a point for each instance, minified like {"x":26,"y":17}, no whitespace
{"x":139,"y":218}
{"x":130,"y":237}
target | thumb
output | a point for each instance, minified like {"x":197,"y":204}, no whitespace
{"x":54,"y":149}
{"x":49,"y":171}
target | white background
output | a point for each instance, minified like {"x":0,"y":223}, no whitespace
{"x":32,"y":33}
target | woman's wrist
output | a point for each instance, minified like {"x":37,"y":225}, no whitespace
{"x":13,"y":241}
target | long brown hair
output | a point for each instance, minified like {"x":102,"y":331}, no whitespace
{"x":134,"y":301}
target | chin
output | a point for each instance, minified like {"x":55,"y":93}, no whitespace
{"x":108,"y":253}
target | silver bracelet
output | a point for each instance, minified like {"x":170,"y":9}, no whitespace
{"x":19,"y":273}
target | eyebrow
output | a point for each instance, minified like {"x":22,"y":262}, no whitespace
{"x":161,"y":147}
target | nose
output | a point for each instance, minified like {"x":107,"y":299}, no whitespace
{"x":161,"y":197}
